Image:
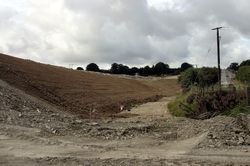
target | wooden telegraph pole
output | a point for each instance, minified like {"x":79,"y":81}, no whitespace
{"x":218,"y":53}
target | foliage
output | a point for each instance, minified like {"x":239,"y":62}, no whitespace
{"x":104,"y":71}
{"x":188,"y":78}
{"x":119,"y":69}
{"x":145,"y":71}
{"x":245,"y":63}
{"x":114,"y":68}
{"x":241,"y":108}
{"x":202,"y":106}
{"x":160,"y":68}
{"x":214,"y":103}
{"x":243,"y":74}
{"x":203,"y":77}
{"x":134,"y":71}
{"x":233,"y":66}
{"x":207,"y":77}
{"x":92,"y":67}
{"x":174,"y":106}
{"x":174,"y":71}
{"x":185,"y":66}
{"x":79,"y":68}
{"x":156,"y":70}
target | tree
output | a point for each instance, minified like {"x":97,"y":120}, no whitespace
{"x":185,"y":66}
{"x":123,"y":69}
{"x":160,"y":68}
{"x":245,"y":63}
{"x":203,"y":77}
{"x":79,"y":68}
{"x":207,"y":76}
{"x":234,"y":66}
{"x":92,"y":67}
{"x":188,"y":78}
{"x":145,"y":71}
{"x":134,"y":70}
{"x":114,"y":68}
{"x":119,"y":69}
{"x":244,"y":74}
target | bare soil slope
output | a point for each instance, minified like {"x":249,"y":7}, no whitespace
{"x":81,"y":92}
{"x":34,"y":133}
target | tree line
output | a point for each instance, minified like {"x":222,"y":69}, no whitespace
{"x":242,"y":71}
{"x":158,"y":69}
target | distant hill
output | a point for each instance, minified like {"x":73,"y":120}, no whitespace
{"x":78,"y":91}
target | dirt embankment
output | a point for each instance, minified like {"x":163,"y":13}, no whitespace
{"x":33,"y":132}
{"x":82,"y":92}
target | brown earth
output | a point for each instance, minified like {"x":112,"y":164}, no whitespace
{"x":34,"y":133}
{"x":84,"y":93}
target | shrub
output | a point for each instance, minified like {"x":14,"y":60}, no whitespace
{"x":241,"y":108}
{"x":79,"y":68}
{"x":92,"y":67}
{"x":119,"y":69}
{"x":243,"y":74}
{"x":214,"y":103}
{"x":174,"y":107}
{"x":188,"y":78}
{"x":160,"y":68}
{"x":185,"y":66}
{"x":203,"y":77}
{"x":207,"y":77}
{"x":233,"y":66}
{"x":203,"y":106}
{"x":245,"y":63}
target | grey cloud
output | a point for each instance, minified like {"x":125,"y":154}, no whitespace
{"x":125,"y":31}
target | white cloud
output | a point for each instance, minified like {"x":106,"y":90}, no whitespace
{"x":132,"y":32}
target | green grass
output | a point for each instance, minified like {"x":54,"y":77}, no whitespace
{"x":241,"y":108}
{"x":180,"y":108}
{"x":174,"y":106}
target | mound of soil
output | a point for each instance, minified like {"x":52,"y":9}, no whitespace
{"x":78,"y":92}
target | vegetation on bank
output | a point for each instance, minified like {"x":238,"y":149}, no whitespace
{"x":243,"y":74}
{"x":206,"y":105}
{"x":201,"y":98}
{"x":156,"y":70}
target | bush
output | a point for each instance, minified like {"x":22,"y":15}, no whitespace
{"x":207,"y":77}
{"x":185,"y":66}
{"x":203,"y":77}
{"x":233,"y":66}
{"x":119,"y":69}
{"x":203,"y":106}
{"x":160,"y":69}
{"x":215,"y":103}
{"x":79,"y":68}
{"x":175,"y":107}
{"x":243,"y":74}
{"x":241,"y":108}
{"x":188,"y":78}
{"x":245,"y":63}
{"x":92,"y":67}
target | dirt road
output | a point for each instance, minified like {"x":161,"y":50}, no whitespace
{"x":33,"y":132}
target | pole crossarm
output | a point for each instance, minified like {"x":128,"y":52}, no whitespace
{"x":217,"y":28}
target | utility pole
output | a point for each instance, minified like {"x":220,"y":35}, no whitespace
{"x":218,"y":53}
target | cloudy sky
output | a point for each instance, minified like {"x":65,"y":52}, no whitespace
{"x":132,"y":32}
